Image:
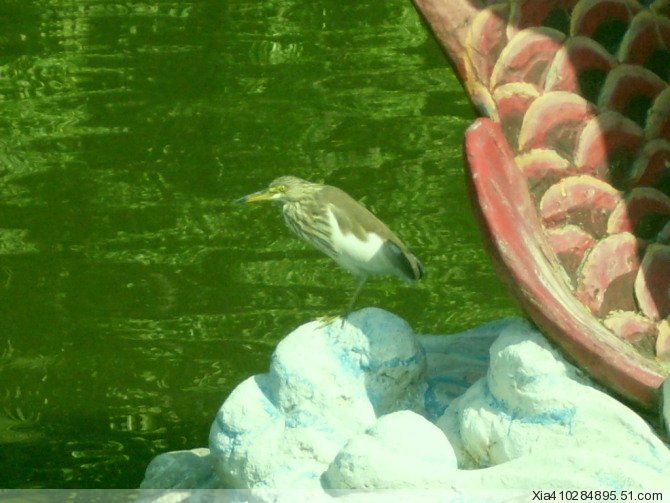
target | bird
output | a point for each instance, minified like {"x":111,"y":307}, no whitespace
{"x":342,"y":228}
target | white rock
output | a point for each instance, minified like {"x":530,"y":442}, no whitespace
{"x":359,"y":406}
{"x":401,"y":450}
{"x":532,"y":401}
{"x":246,"y":434}
{"x":181,"y":470}
{"x":394,"y":364}
{"x":362,"y":465}
{"x":561,"y":469}
{"x":326,"y":384}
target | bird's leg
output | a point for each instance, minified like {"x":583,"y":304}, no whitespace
{"x":327,"y":320}
{"x":352,"y":303}
{"x":359,"y":288}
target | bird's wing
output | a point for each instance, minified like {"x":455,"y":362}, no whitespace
{"x":354,"y":218}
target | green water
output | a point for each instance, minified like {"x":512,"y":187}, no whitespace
{"x":133,"y":295}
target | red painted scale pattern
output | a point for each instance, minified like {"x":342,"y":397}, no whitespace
{"x":570,"y":169}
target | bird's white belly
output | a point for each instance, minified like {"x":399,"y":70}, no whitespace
{"x":359,"y":256}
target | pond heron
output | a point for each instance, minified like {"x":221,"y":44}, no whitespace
{"x":342,"y":228}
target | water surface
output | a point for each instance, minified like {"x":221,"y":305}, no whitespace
{"x":133,"y":295}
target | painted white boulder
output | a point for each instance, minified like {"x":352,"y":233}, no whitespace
{"x":181,"y":470}
{"x":326,"y":384}
{"x":532,"y":401}
{"x":402,"y":450}
{"x":370,"y":405}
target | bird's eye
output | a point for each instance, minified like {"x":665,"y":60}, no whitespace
{"x":278,"y":188}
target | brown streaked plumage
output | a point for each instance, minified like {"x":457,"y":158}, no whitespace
{"x":342,"y":228}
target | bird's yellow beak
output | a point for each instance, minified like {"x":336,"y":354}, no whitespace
{"x":256,"y":197}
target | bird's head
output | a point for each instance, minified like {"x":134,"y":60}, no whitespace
{"x":283,"y":189}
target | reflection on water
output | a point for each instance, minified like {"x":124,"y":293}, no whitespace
{"x":133,"y":295}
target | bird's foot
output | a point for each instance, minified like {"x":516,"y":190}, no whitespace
{"x":324,"y":321}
